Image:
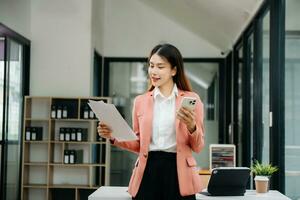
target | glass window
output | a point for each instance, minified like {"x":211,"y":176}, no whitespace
{"x":292,"y":100}
{"x":1,"y":82}
{"x":126,"y":81}
{"x":1,"y":96}
{"x":266,"y":87}
{"x":15,"y":91}
{"x":204,"y":78}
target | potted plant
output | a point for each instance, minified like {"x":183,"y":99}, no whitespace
{"x":262,"y":172}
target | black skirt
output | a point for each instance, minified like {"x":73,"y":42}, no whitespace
{"x":160,"y":180}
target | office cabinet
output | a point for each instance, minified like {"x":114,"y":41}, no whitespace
{"x":62,"y":152}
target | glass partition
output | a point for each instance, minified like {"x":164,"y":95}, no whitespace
{"x":204,"y":78}
{"x":129,"y":79}
{"x":126,"y":81}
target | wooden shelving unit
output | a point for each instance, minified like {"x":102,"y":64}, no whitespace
{"x":44,"y":173}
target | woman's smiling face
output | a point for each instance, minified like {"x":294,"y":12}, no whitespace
{"x":160,"y":71}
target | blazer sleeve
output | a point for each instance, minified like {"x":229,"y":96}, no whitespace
{"x":197,"y":137}
{"x":134,"y":145}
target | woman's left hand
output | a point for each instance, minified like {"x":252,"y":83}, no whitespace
{"x":188,"y":117}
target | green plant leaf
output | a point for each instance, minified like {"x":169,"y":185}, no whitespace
{"x":263,"y":169}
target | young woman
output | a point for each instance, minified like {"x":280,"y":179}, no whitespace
{"x":167,"y":133}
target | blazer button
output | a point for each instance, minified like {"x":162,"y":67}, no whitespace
{"x":145,"y":155}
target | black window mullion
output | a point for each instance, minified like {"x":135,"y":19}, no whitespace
{"x":257,"y":91}
{"x":105,"y":78}
{"x":25,"y":91}
{"x":3,"y":143}
{"x":26,"y":69}
{"x":228,"y":112}
{"x":277,"y":92}
{"x":222,"y":107}
{"x":246,"y":137}
{"x":4,"y":122}
{"x":235,"y":101}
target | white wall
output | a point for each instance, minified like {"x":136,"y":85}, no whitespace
{"x":15,"y":14}
{"x":98,"y":25}
{"x":131,"y":29}
{"x":61,"y":47}
{"x":63,"y":34}
{"x":97,"y":31}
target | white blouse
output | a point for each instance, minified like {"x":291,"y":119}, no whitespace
{"x":164,"y":116}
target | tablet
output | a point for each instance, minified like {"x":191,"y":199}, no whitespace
{"x":228,"y":181}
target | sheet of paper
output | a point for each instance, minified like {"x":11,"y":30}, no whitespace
{"x":108,"y":114}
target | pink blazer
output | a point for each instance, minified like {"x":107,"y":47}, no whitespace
{"x":188,"y":177}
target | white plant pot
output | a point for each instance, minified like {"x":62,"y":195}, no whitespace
{"x":261,"y":184}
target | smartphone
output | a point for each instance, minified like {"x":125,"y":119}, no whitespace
{"x":189,"y":103}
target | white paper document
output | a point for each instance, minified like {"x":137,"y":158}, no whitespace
{"x":108,"y":114}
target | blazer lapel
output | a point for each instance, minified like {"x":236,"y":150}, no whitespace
{"x":149,"y":118}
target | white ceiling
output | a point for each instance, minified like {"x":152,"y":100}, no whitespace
{"x":219,"y":22}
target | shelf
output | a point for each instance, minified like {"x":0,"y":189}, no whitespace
{"x":37,"y":97}
{"x":36,"y":119}
{"x":76,"y":142}
{"x":117,"y":171}
{"x":77,"y":165}
{"x":42,"y":186}
{"x":36,"y":163}
{"x":44,"y":173}
{"x":74,"y":186}
{"x":75,"y":120}
{"x":37,"y":141}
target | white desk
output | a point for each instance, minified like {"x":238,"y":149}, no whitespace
{"x":120,"y":193}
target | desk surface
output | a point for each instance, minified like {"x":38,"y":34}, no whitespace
{"x":120,"y":193}
{"x":204,"y":172}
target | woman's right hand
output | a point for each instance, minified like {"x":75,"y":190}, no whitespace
{"x":104,"y":131}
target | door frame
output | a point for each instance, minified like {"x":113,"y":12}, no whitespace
{"x":9,"y":34}
{"x":222,"y":129}
{"x":277,"y":87}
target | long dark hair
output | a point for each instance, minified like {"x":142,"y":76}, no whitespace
{"x":173,"y":56}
